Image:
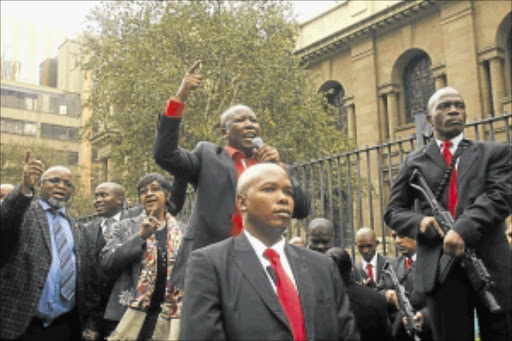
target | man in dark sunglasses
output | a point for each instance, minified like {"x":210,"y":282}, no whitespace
{"x":48,"y":288}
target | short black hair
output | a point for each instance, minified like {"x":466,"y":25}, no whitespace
{"x":163,"y":182}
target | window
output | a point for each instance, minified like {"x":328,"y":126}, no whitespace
{"x":72,"y":158}
{"x":418,"y":86}
{"x":57,"y":132}
{"x":18,"y":127}
{"x":335,"y":94}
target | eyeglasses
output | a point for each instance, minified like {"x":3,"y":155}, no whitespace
{"x":57,"y":180}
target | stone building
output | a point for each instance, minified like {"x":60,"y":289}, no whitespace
{"x":50,"y":114}
{"x":381,"y":60}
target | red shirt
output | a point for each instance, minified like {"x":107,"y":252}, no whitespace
{"x":174,"y":109}
{"x":241,"y":164}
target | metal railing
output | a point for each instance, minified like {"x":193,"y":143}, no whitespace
{"x":371,"y":171}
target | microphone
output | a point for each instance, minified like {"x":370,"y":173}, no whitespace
{"x":257,"y":142}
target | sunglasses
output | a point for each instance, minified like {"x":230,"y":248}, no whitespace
{"x":57,"y":180}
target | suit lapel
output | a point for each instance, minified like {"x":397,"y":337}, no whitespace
{"x":227,"y":160}
{"x":40,"y":215}
{"x":248,"y":263}
{"x":433,"y":152}
{"x":466,"y":161}
{"x":305,"y":288}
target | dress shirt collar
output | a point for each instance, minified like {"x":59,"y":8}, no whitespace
{"x":373,"y":262}
{"x":259,"y":247}
{"x":116,"y":217}
{"x":455,"y":143}
{"x":47,"y":207}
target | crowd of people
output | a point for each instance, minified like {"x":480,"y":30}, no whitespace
{"x":229,"y":273}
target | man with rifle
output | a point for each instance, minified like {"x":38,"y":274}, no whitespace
{"x":463,"y":258}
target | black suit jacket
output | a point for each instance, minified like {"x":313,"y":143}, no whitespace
{"x":370,"y":311}
{"x":484,"y":201}
{"x":360,"y":274}
{"x":26,"y":267}
{"x":212,"y":172}
{"x":228,"y":296}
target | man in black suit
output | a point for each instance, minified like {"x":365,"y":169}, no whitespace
{"x":108,"y":202}
{"x":369,"y":270}
{"x":478,"y":194}
{"x":258,"y":287}
{"x":405,"y":270}
{"x":368,"y":306}
{"x":213,"y":171}
{"x":48,"y":286}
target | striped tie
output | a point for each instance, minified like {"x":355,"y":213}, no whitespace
{"x":67,"y":269}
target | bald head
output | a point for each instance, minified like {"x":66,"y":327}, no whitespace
{"x":255,"y":172}
{"x":265,"y":199}
{"x":366,"y":243}
{"x":56,"y":186}
{"x":4,"y":190}
{"x":320,"y":235}
{"x":434,"y":99}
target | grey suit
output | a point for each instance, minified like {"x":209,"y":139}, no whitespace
{"x":228,"y":296}
{"x":24,"y":272}
{"x":212,"y":172}
{"x":360,"y":274}
{"x":121,"y":258}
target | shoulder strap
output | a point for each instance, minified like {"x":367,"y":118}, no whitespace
{"x":463,"y":145}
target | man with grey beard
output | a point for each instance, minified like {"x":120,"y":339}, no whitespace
{"x":48,"y":288}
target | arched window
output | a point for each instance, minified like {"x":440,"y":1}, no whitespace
{"x":335,"y":94}
{"x":418,"y":85}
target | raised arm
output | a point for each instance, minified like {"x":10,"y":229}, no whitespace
{"x":167,"y":154}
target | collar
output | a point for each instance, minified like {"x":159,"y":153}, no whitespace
{"x":455,"y":143}
{"x":47,"y":207}
{"x":259,"y":247}
{"x":233,"y":152}
{"x":413,"y":257}
{"x":116,"y":218}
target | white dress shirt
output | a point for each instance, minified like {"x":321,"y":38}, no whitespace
{"x":260,"y":248}
{"x":373,"y":262}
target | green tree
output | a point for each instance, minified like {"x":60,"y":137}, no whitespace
{"x":12,"y":159}
{"x":139,"y":52}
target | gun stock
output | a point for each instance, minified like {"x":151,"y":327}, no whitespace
{"x":475,"y":269}
{"x":412,"y":326}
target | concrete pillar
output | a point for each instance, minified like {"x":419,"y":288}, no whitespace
{"x":351,"y":120}
{"x":383,"y":122}
{"x":484,"y":81}
{"x":497,"y":87}
{"x":393,"y":119}
{"x":439,"y":82}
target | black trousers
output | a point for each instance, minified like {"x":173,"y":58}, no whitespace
{"x":452,"y":305}
{"x":64,"y":328}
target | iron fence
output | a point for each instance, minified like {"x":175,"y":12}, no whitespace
{"x":351,"y":188}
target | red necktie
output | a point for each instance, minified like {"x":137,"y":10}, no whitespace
{"x":452,"y":193}
{"x":288,"y":296}
{"x":408,"y":263}
{"x":370,"y":271}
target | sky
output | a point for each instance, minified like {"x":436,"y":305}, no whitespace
{"x":32,"y":31}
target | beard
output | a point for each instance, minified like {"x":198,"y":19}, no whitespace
{"x":56,"y":203}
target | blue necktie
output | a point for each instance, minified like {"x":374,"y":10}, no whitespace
{"x":68,"y":276}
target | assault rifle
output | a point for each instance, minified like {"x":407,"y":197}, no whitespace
{"x":412,"y":326}
{"x":475,"y":269}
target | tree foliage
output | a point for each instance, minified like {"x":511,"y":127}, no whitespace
{"x":139,"y":52}
{"x":12,"y":162}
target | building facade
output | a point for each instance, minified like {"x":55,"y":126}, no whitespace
{"x":50,"y":114}
{"x":381,"y":60}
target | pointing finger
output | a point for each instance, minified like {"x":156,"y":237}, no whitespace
{"x":194,"y":68}
{"x":27,"y":156}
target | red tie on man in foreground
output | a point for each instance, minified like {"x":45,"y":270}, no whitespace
{"x":452,"y":192}
{"x":288,"y":296}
